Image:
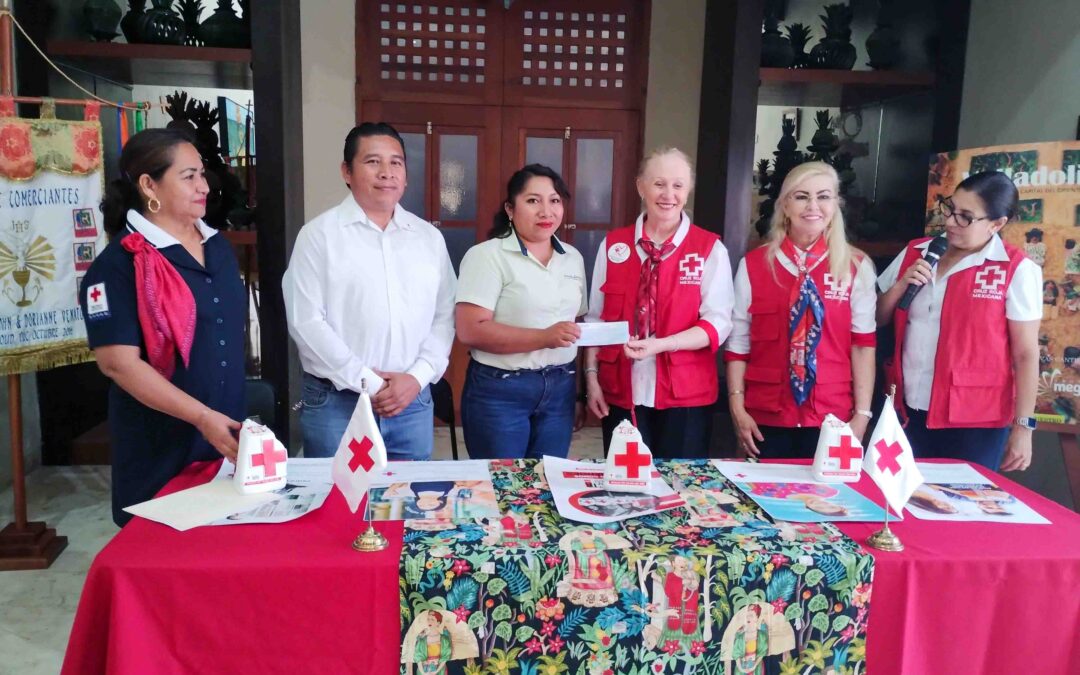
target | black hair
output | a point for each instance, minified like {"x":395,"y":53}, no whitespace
{"x":1070,"y":355}
{"x":367,"y":130}
{"x":1033,"y":233}
{"x":997,"y":192}
{"x":148,"y":152}
{"x":1070,"y":244}
{"x":501,"y":228}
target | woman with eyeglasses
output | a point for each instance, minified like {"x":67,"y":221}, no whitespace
{"x":966,"y":360}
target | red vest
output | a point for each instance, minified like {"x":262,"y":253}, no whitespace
{"x":973,"y":376}
{"x":683,"y":378}
{"x":768,"y":396}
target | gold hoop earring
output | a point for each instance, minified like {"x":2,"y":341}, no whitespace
{"x":150,"y":205}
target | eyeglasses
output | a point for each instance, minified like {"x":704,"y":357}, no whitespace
{"x":948,"y":210}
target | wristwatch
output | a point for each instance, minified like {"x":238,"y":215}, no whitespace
{"x":868,"y":414}
{"x":1026,"y":422}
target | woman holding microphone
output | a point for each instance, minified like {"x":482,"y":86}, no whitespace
{"x":671,"y":280}
{"x":803,"y":342}
{"x":967,"y":352}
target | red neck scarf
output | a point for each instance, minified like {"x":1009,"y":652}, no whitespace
{"x":645,"y":319}
{"x":165,"y":306}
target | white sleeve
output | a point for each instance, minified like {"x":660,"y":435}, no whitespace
{"x":599,"y":276}
{"x":480,"y":282}
{"x":304,"y":289}
{"x":888,"y":278}
{"x":434,"y":354}
{"x":1023,"y":299}
{"x":739,"y":340}
{"x":864,"y":298}
{"x":717,"y":294}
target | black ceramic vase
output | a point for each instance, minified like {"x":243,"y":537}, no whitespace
{"x":132,"y":23}
{"x":776,"y":50}
{"x":101,"y":18}
{"x":835,"y":50}
{"x":163,"y":26}
{"x":883,"y":47}
{"x":224,"y":28}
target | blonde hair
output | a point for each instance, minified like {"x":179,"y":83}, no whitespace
{"x":664,"y":151}
{"x":841,"y":253}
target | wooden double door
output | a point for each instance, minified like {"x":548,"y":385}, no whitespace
{"x":460,"y":157}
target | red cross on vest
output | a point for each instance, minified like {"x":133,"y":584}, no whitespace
{"x":361,"y":454}
{"x":691,"y":265}
{"x":632,"y":460}
{"x":269,"y":458}
{"x":95,"y":294}
{"x":887,"y":454}
{"x":845,"y":452}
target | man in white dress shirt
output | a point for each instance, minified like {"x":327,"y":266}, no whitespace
{"x":369,"y":296}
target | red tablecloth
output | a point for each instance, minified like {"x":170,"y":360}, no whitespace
{"x":962,"y":598}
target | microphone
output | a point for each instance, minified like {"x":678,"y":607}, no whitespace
{"x":933,"y":253}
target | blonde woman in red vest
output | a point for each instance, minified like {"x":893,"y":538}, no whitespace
{"x":967,"y":350}
{"x":803,"y":340}
{"x":671,"y":281}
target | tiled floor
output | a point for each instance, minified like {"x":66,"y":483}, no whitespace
{"x":37,"y":607}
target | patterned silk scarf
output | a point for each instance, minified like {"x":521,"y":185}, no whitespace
{"x":165,"y":306}
{"x":805,"y":315}
{"x":645,"y":319}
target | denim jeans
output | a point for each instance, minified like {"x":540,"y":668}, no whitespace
{"x":980,"y":445}
{"x":326,"y":412}
{"x":510,"y":414}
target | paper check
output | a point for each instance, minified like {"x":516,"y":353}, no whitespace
{"x":604,"y":333}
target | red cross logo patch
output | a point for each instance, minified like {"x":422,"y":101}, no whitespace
{"x":988,"y":282}
{"x":691,"y":266}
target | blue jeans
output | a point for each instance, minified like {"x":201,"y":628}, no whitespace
{"x":979,"y":445}
{"x":510,"y":414}
{"x":326,"y":411}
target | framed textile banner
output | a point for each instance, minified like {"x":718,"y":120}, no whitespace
{"x":51,"y":182}
{"x":1047,"y":228}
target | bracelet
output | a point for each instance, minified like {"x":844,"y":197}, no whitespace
{"x":592,"y":370}
{"x":868,"y":414}
{"x":740,"y":392}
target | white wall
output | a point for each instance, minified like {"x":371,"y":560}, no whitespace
{"x":1021,"y":74}
{"x":328,"y":55}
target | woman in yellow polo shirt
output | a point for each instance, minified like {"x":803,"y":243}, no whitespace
{"x":518,"y":297}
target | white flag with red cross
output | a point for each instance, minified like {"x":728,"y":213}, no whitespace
{"x":890,"y":461}
{"x":361,"y":454}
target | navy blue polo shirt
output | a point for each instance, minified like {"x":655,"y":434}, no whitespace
{"x":151,"y":447}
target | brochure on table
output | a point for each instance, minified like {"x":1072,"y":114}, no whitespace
{"x":306,"y":489}
{"x":578,"y":490}
{"x":789,"y":492}
{"x":959,"y":492}
{"x":433,"y":491}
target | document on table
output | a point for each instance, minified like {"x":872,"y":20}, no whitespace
{"x":960,"y":492}
{"x":309,"y":483}
{"x":579,"y":494}
{"x":603,"y":333}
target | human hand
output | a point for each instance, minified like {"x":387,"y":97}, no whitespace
{"x":643,"y":349}
{"x":398,"y":392}
{"x":561,"y":334}
{"x":219,"y":431}
{"x":1017,"y":450}
{"x":746,"y":431}
{"x":919,"y":274}
{"x":594,"y":395}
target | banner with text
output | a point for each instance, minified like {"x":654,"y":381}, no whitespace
{"x":1047,"y":228}
{"x":50,"y":231}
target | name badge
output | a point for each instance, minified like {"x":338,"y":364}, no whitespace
{"x":618,"y":253}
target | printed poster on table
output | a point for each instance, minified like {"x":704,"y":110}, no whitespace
{"x":441,"y":492}
{"x":578,"y":490}
{"x":789,"y":492}
{"x":308,"y":485}
{"x":960,"y":492}
{"x":50,"y":231}
{"x":1047,"y":229}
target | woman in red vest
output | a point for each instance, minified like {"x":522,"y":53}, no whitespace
{"x":671,"y":281}
{"x":803,"y":340}
{"x":967,"y":350}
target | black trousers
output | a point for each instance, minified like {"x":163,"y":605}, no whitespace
{"x":788,"y":442}
{"x":674,"y":433}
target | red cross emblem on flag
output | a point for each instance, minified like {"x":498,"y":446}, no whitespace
{"x":845,"y":452}
{"x":269,"y":458}
{"x":633,"y":460}
{"x":887,"y":454}
{"x":361,"y":457}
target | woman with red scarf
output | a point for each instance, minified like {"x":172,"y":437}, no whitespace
{"x":165,"y":310}
{"x":802,"y":345}
{"x":671,"y":281}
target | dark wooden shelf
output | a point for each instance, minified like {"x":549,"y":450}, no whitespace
{"x":158,"y":64}
{"x":880,"y":249}
{"x":836,"y":88}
